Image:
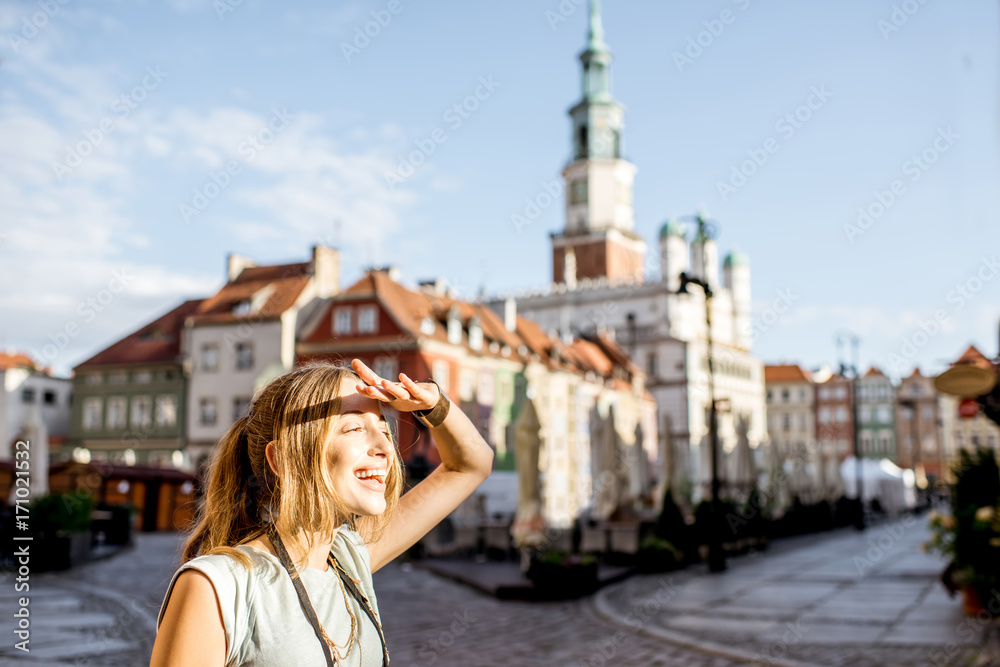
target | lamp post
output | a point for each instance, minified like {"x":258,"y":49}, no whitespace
{"x":716,"y":556}
{"x":855,"y":342}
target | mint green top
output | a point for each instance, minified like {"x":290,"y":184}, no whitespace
{"x":263,"y":619}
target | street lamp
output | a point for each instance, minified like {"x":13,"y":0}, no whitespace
{"x":855,"y":342}
{"x":716,"y":556}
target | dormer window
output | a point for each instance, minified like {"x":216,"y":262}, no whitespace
{"x":475,"y":334}
{"x":342,"y":321}
{"x":242,"y":307}
{"x":427,"y":326}
{"x":368,"y":319}
{"x":454,"y":326}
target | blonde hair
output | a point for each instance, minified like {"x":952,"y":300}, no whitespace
{"x":296,"y":411}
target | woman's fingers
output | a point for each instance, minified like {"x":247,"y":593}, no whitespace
{"x":418,"y":392}
{"x":395,"y":389}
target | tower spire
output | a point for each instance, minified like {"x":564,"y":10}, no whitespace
{"x":595,"y":38}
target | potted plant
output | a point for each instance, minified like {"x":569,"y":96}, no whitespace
{"x":658,"y":555}
{"x":60,"y":525}
{"x":970,"y":535}
{"x":557,"y":574}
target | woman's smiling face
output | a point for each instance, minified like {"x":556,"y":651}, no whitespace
{"x":360,"y":452}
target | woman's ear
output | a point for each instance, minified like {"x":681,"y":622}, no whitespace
{"x":271,"y":454}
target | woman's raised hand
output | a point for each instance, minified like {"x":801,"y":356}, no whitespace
{"x":405,"y":395}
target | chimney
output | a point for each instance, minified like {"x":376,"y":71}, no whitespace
{"x":235,"y":265}
{"x":436,"y":286}
{"x":454,"y":326}
{"x":326,"y":270}
{"x":510,"y":314}
{"x":475,"y":333}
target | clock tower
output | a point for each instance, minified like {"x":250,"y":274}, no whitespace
{"x":599,"y":239}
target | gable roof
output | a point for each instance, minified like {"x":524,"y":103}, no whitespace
{"x":284,"y":283}
{"x":874,"y":372}
{"x":411,"y":308}
{"x":786,"y":373}
{"x":157,"y":342}
{"x":16,"y":360}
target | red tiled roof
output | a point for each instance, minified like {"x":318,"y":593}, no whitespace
{"x":158,"y":341}
{"x":15,"y":360}
{"x":286,"y":282}
{"x":785,"y":373}
{"x":974,"y":357}
{"x":408,"y":308}
{"x":916,"y":372}
{"x":874,"y":372}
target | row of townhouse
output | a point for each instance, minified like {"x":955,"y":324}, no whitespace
{"x":909,"y":423}
{"x":165,"y":394}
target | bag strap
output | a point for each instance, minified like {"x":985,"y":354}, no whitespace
{"x":356,"y":593}
{"x":304,"y":602}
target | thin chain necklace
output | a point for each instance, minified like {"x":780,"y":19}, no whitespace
{"x":307,"y":606}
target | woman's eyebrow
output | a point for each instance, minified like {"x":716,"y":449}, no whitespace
{"x":381,"y":417}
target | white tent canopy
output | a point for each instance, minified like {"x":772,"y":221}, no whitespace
{"x":894,"y":487}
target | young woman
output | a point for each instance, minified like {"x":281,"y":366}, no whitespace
{"x":302,"y":505}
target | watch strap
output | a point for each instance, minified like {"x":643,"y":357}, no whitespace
{"x":435,"y":416}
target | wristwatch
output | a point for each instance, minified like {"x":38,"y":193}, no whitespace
{"x":435,"y":416}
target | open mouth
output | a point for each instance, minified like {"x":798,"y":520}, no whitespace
{"x":373,"y":478}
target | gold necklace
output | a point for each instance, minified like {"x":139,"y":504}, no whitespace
{"x":349,"y":645}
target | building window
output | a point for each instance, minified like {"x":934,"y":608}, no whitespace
{"x":440,"y":372}
{"x":928,"y":412}
{"x":802,"y":395}
{"x":884,"y":442}
{"x":824,"y":415}
{"x":907,"y":413}
{"x":466,"y":386}
{"x":506,"y":389}
{"x":824,"y":393}
{"x":116,"y":412}
{"x":244,"y":356}
{"x":166,"y":411}
{"x":142,"y":414}
{"x":241,"y":307}
{"x":485,"y":389}
{"x":578,"y":191}
{"x":92,"y":378}
{"x":143,"y":377}
{"x":865,"y":413}
{"x":842,"y":392}
{"x":769,"y":395}
{"x":786,"y":422}
{"x":784,"y":396}
{"x":49,"y":397}
{"x":842,"y":414}
{"x":884,"y":414}
{"x":210,"y":357}
{"x":118,"y":378}
{"x":802,"y":421}
{"x":651,"y":369}
{"x":27,"y":395}
{"x":367,"y":319}
{"x":386,"y":367}
{"x":92,"y":408}
{"x":207,"y":411}
{"x":241,"y":407}
{"x":342,"y":321}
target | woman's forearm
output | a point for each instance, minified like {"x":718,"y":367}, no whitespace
{"x":460,"y":445}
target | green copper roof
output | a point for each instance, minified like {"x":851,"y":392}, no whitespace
{"x":595,"y":37}
{"x":736,"y":258}
{"x":672,"y":228}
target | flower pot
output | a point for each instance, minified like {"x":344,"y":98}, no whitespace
{"x":972,"y":605}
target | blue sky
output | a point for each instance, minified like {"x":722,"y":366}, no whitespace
{"x":345,"y":121}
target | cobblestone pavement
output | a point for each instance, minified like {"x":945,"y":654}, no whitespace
{"x":104,"y":614}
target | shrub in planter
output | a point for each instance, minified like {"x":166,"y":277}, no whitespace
{"x":658,"y":555}
{"x":557,"y":574}
{"x":60,"y":524}
{"x":673,"y":528}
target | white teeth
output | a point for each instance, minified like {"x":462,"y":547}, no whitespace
{"x":365,"y":474}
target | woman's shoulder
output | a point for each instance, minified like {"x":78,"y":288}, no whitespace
{"x":352,"y":553}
